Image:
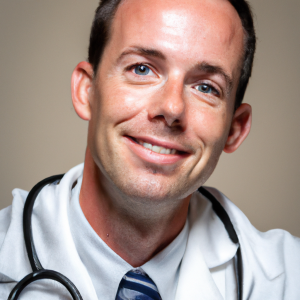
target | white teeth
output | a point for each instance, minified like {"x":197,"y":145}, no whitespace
{"x":157,"y":149}
{"x":148,"y":146}
{"x":163,"y":150}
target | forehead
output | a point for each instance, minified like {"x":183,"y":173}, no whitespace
{"x":189,"y":29}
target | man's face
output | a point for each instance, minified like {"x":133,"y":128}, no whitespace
{"x":166,"y":83}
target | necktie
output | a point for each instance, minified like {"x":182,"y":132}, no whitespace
{"x":137,"y":285}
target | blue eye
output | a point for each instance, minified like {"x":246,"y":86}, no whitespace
{"x":141,"y":70}
{"x":204,"y":88}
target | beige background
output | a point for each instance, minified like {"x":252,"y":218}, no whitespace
{"x":43,"y":40}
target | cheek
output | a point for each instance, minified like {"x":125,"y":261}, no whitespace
{"x":210,"y":129}
{"x":118,"y":104}
{"x":210,"y":125}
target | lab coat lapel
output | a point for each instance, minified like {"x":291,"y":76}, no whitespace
{"x":195,"y":280}
{"x":14,"y":263}
{"x":52,"y":237}
{"x":262,"y":255}
{"x":57,"y":250}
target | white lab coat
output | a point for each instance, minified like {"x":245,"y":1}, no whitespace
{"x":271,"y":260}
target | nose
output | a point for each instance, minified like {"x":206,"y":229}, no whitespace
{"x":168,"y":103}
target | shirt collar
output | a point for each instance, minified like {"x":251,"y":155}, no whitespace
{"x":164,"y":268}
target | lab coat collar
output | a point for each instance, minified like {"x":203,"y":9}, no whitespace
{"x":51,"y":247}
{"x":213,"y":239}
{"x":208,"y":246}
{"x":262,"y":252}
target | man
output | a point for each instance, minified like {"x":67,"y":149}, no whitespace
{"x":162,"y":92}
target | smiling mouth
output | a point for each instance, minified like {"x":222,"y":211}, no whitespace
{"x":156,"y":148}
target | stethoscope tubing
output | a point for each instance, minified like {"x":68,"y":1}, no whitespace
{"x":44,"y":274}
{"x":223,"y":216}
{"x":27,"y":226}
{"x":40,"y":273}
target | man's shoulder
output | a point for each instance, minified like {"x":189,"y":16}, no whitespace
{"x":7,"y":227}
{"x":245,"y":229}
{"x":19,"y":197}
{"x":272,"y":253}
{"x":5,"y":219}
{"x":11,"y":218}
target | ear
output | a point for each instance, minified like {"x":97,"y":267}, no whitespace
{"x":240,"y":127}
{"x":81,"y":83}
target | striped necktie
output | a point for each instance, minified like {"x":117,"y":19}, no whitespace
{"x":137,"y":285}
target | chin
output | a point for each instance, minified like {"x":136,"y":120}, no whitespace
{"x":154,"y":188}
{"x":148,"y":188}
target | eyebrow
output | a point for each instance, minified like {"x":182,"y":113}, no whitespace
{"x":142,"y":51}
{"x":212,"y":69}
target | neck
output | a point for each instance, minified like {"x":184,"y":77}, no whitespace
{"x":135,"y":230}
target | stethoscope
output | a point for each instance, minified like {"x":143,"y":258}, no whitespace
{"x":40,"y":273}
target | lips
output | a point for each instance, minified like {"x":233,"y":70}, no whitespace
{"x":158,"y":147}
{"x":158,"y":152}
